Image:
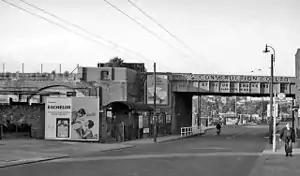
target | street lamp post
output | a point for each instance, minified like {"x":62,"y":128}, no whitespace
{"x":271,"y":100}
{"x":154,"y":105}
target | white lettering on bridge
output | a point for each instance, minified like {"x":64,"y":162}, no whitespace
{"x":229,"y":78}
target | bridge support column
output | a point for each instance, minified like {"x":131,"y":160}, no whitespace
{"x":181,"y":111}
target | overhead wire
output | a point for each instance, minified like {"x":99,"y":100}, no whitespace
{"x":156,"y":35}
{"x":144,"y":27}
{"x":74,"y":32}
{"x":161,"y":26}
{"x":76,"y":26}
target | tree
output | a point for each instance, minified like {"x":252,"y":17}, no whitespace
{"x":53,"y":72}
{"x":115,"y":62}
{"x":66,"y":73}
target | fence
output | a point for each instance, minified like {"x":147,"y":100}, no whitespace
{"x":190,"y":131}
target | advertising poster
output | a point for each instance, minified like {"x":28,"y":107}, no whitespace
{"x":141,"y":122}
{"x":4,"y":99}
{"x":56,"y":108}
{"x":62,"y":128}
{"x":85,"y":119}
{"x":161,"y":89}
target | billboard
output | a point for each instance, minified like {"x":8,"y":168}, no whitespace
{"x":161,"y":89}
{"x":4,"y":99}
{"x":85,"y":118}
{"x":56,"y":108}
{"x":72,"y":118}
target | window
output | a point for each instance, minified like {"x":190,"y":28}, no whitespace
{"x":104,"y":75}
{"x":283,"y":87}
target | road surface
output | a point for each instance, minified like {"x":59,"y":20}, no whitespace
{"x":234,"y":152}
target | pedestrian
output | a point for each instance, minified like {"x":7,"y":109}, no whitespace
{"x":287,"y":135}
{"x":218,"y":127}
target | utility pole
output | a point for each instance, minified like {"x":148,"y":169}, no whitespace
{"x":235,"y":103}
{"x":293,"y":114}
{"x":22,"y":67}
{"x":59,"y":69}
{"x":199,"y":111}
{"x":154,"y":104}
{"x":262,"y":108}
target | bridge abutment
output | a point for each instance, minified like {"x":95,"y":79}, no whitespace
{"x":182,"y":111}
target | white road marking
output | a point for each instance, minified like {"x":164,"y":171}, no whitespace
{"x":209,"y":148}
{"x":152,"y":156}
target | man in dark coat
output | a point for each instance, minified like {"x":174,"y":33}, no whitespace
{"x":287,"y":135}
{"x":218,"y":127}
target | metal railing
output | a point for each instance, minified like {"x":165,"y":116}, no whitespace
{"x":190,"y":131}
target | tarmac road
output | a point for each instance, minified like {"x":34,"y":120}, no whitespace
{"x":234,"y":152}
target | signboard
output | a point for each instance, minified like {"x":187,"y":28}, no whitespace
{"x":228,"y":78}
{"x":85,"y":118}
{"x":275,"y":110}
{"x":161,"y":89}
{"x":56,"y":108}
{"x":281,"y":96}
{"x":4,"y":99}
{"x":168,"y":118}
{"x":141,"y":122}
{"x":72,"y":118}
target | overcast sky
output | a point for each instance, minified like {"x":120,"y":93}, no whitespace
{"x":228,"y":36}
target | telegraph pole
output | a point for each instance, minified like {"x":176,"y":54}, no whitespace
{"x":154,"y":104}
{"x":22,"y":67}
{"x":293,"y":114}
{"x":199,"y":111}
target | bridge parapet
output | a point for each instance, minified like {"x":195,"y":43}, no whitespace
{"x":231,"y":84}
{"x":230,"y":78}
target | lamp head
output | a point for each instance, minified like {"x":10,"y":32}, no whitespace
{"x":266,"y":49}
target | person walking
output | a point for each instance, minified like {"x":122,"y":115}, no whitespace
{"x":287,"y":135}
{"x":218,"y":127}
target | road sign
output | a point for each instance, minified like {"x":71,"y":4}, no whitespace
{"x":281,"y":96}
{"x":275,"y":110}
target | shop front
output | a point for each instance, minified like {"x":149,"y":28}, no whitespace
{"x":127,"y":121}
{"x":72,"y":118}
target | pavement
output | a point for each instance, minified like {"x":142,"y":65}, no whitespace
{"x":276,"y":164}
{"x":24,"y":151}
{"x":280,"y":148}
{"x":235,"y":152}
